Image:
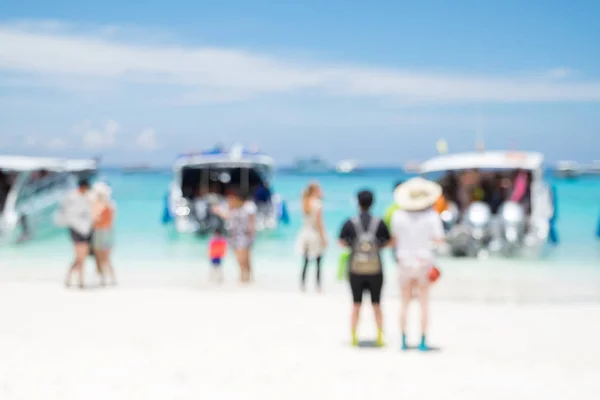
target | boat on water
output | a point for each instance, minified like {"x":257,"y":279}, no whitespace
{"x":592,"y":169}
{"x":31,"y":189}
{"x":572,"y":169}
{"x":140,"y":169}
{"x":510,"y":230}
{"x":202,"y":179}
{"x":347,"y":167}
{"x":313,"y":165}
{"x":567,"y":169}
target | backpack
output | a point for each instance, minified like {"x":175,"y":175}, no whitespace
{"x":365,"y":258}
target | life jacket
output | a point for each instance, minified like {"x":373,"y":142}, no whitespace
{"x":217,"y":248}
{"x":364,"y":259}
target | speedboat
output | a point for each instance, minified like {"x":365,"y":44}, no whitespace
{"x":31,"y":189}
{"x":567,"y":169}
{"x":201,"y":181}
{"x":346,"y":167}
{"x":313,"y":165}
{"x":511,"y":229}
{"x":592,"y":169}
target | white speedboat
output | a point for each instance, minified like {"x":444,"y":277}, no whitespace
{"x":31,"y":189}
{"x":567,"y":169}
{"x":509,"y":230}
{"x":313,"y":165}
{"x":202,"y":180}
{"x":346,"y":167}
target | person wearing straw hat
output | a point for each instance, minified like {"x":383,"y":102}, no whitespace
{"x":103,"y":212}
{"x":416,"y":227}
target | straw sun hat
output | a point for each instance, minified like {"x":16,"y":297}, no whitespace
{"x":417,"y":194}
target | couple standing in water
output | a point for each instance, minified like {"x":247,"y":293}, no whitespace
{"x":88,"y":213}
{"x":413,"y":228}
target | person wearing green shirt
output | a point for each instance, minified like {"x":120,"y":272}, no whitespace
{"x":387,"y":219}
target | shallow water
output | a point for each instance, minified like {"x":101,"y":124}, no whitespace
{"x":149,"y":253}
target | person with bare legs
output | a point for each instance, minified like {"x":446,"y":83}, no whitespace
{"x":241,"y":217}
{"x":365,"y":235}
{"x":312,"y":240}
{"x":76,"y":213}
{"x":102,"y":239}
{"x":416,"y":227}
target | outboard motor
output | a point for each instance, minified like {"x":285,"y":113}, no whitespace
{"x":472,"y":235}
{"x":450,"y":217}
{"x":478,"y":218}
{"x":206,"y":219}
{"x":512,"y":221}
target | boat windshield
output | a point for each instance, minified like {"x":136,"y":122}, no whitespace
{"x":219,"y":180}
{"x":492,"y":187}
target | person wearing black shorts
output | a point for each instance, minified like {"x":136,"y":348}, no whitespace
{"x":76,"y":214}
{"x":353,"y":232}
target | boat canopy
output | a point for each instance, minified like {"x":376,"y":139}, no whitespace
{"x":237,"y":157}
{"x":222,"y":170}
{"x":484,"y":160}
{"x":24,"y":164}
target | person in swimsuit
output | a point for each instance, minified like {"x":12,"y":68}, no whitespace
{"x":75,"y":212}
{"x":241,"y":219}
{"x":103,"y":212}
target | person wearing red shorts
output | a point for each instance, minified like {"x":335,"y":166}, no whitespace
{"x":217,"y":248}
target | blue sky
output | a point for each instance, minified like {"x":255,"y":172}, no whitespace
{"x":377,"y":81}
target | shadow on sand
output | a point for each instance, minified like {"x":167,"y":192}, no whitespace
{"x":371,"y":344}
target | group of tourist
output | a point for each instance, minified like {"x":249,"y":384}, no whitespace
{"x":88,"y":212}
{"x":412,"y":228}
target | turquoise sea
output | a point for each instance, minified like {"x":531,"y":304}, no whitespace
{"x":149,"y":253}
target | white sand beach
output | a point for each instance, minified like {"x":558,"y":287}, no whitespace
{"x":246,"y":343}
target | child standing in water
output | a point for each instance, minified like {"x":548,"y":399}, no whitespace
{"x":241,"y":230}
{"x":217,"y":247}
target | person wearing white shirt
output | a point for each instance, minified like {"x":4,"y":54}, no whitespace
{"x":416,"y":228}
{"x":76,"y":214}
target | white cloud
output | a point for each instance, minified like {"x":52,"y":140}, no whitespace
{"x":98,"y":138}
{"x":147,"y":139}
{"x":208,"y":72}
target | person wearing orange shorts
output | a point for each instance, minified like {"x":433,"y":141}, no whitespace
{"x":217,"y":248}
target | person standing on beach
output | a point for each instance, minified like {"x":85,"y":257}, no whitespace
{"x":241,"y":217}
{"x":416,"y":228}
{"x":102,"y":240}
{"x":312,"y":240}
{"x":217,"y":248}
{"x":76,"y":213}
{"x":365,"y":235}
